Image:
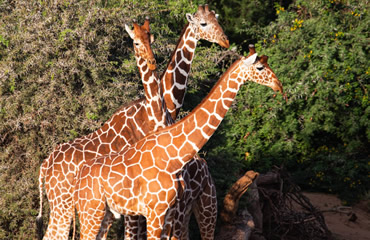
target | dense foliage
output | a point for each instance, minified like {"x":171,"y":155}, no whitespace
{"x":66,"y":67}
{"x":245,"y":19}
{"x":320,"y":52}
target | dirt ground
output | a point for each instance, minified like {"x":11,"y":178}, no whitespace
{"x":346,"y":223}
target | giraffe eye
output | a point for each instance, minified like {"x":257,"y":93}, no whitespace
{"x":203,"y":24}
{"x":260,"y":68}
{"x":136,"y":44}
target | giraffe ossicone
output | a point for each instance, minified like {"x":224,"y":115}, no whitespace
{"x":142,"y":179}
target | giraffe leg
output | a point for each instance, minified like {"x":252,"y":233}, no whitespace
{"x":154,"y":229}
{"x":106,"y":224}
{"x":175,"y":217}
{"x":132,"y":226}
{"x":178,"y":223}
{"x":142,"y":228}
{"x":181,"y":221}
{"x":59,"y":222}
{"x":205,"y":211}
{"x":59,"y":190}
{"x":159,"y":221}
{"x":91,"y":204}
{"x":91,"y":215}
{"x":168,"y":223}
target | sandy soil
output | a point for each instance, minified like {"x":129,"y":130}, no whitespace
{"x":346,"y":223}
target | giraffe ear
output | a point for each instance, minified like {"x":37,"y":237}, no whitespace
{"x":250,"y":60}
{"x":264,"y":59}
{"x":189,"y":17}
{"x":130,"y":32}
{"x":151,"y":38}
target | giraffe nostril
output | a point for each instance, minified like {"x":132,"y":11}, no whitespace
{"x":152,"y":61}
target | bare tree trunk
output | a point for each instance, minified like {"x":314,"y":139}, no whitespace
{"x":236,"y":227}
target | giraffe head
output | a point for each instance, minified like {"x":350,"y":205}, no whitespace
{"x":256,"y":69}
{"x":142,"y":40}
{"x":205,"y":26}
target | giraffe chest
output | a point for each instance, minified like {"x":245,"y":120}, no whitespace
{"x":137,"y":126}
{"x":124,"y":192}
{"x":134,"y":195}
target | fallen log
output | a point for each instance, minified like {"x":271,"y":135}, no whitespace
{"x":276,"y":210}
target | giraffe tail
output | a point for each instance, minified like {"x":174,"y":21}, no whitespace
{"x":74,"y":206}
{"x":74,"y":218}
{"x":39,"y":222}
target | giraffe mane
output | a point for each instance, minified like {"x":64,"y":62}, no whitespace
{"x":173,"y":52}
{"x":230,"y":69}
{"x":132,"y":103}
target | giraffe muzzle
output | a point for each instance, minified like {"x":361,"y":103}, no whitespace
{"x":224,"y":42}
{"x":277,"y":86}
{"x":152,"y":64}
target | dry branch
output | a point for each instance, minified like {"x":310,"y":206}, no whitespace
{"x":231,"y":201}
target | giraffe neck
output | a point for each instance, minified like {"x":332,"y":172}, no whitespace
{"x":192,"y":132}
{"x":175,"y":77}
{"x":153,"y":101}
